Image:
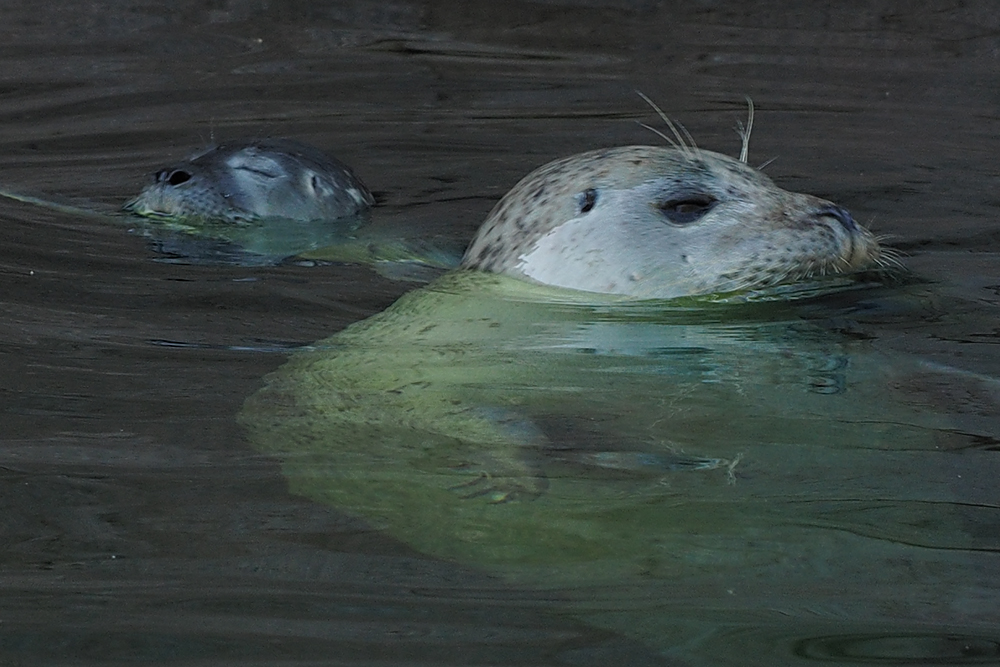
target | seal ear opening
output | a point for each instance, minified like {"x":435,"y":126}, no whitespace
{"x":587,"y":200}
{"x":318,"y":187}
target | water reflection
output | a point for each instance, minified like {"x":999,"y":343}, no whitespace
{"x":139,"y":524}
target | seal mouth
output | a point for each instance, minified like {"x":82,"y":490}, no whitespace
{"x":142,"y":206}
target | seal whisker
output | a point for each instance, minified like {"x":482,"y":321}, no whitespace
{"x":766,"y":163}
{"x":882,"y":238}
{"x":889,"y":258}
{"x":744,"y":132}
{"x":670,"y":140}
{"x":690,"y":138}
{"x":690,"y":150}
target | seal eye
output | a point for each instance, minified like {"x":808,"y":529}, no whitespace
{"x":262,"y":173}
{"x":175,"y":177}
{"x":687,"y":210}
{"x":587,"y":199}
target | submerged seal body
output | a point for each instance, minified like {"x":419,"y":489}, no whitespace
{"x":707,"y":451}
{"x":248,"y":181}
{"x":615,"y":226}
{"x":664,"y":222}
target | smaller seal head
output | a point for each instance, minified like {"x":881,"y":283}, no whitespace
{"x":248,"y":181}
{"x":654,"y":222}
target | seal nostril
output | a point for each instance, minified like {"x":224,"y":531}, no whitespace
{"x":177,"y":177}
{"x":841,"y":215}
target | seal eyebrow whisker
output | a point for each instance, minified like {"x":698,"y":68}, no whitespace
{"x":766,"y":163}
{"x":685,"y":142}
{"x":669,"y":140}
{"x":689,"y":137}
{"x":744,"y":132}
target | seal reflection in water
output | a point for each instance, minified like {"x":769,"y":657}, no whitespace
{"x":617,"y":392}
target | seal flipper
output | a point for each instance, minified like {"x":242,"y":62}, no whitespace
{"x":517,"y":472}
{"x":645,"y":462}
{"x":505,"y":473}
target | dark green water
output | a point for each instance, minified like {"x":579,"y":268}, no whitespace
{"x":141,"y":526}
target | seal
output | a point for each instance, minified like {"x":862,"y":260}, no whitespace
{"x":632,"y":223}
{"x":618,"y":400}
{"x":252,"y":180}
{"x":254,"y":203}
{"x":664,"y":222}
{"x":262,"y":201}
{"x":636,"y":223}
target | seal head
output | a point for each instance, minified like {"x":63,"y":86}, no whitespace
{"x":654,"y":222}
{"x":248,"y":181}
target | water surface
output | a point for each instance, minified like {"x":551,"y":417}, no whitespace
{"x":139,"y":523}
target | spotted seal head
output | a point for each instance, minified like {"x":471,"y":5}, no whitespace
{"x":657,"y":222}
{"x":247,"y":181}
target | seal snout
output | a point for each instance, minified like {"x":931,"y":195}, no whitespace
{"x":860,"y":249}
